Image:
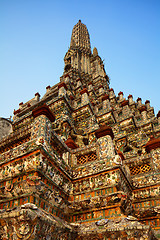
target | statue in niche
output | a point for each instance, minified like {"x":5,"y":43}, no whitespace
{"x":63,"y":129}
{"x":128,"y":146}
{"x":80,"y":140}
{"x":57,"y":127}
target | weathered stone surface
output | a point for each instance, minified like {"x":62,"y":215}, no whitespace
{"x":5,"y":127}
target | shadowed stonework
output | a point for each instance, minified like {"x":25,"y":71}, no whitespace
{"x":80,"y":162}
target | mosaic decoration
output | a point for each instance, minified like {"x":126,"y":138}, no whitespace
{"x":156,"y":159}
{"x":80,"y":162}
{"x":106,"y":148}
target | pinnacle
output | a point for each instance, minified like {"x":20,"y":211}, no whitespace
{"x":80,"y":37}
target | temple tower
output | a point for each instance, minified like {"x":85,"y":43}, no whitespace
{"x":79,"y":57}
{"x":80,"y":163}
{"x":79,"y":53}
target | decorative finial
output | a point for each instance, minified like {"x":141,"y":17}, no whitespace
{"x":95,"y":52}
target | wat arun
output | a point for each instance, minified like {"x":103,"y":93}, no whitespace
{"x":80,"y":163}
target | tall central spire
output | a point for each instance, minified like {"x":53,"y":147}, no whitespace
{"x":80,"y":37}
{"x":79,"y":56}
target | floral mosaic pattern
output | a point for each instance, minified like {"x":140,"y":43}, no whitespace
{"x":42,"y":127}
{"x":156,"y":159}
{"x":106,"y":147}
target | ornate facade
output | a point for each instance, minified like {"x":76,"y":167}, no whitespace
{"x":80,"y":162}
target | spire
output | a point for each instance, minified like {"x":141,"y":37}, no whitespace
{"x":79,"y":56}
{"x":80,"y":37}
{"x":95,"y":52}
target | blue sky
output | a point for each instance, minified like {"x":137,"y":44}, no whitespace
{"x":35,"y":35}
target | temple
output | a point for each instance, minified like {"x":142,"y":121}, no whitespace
{"x":80,"y":162}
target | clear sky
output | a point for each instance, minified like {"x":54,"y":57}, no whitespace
{"x":35,"y":35}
